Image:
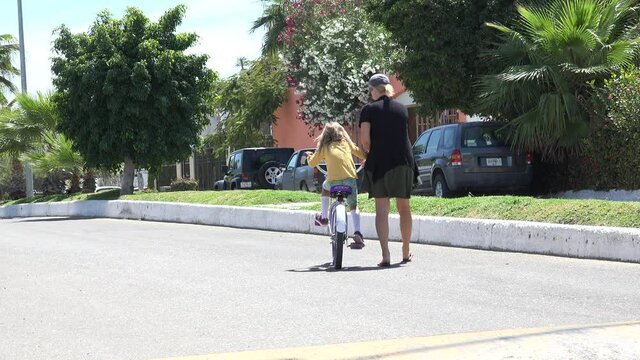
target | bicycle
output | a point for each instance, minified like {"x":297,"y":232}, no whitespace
{"x":338,"y":219}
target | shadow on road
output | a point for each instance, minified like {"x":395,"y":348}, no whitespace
{"x":327,"y":267}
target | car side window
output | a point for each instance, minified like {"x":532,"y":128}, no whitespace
{"x":233,"y":162}
{"x":292,"y":162}
{"x":434,"y":140}
{"x":449,"y":138}
{"x":303,"y":158}
{"x":421,"y":144}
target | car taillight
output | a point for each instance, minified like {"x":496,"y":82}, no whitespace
{"x":456,"y":158}
{"x":529,"y":158}
{"x":245,"y":176}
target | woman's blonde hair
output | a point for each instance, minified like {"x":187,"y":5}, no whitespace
{"x":386,"y":89}
{"x":332,"y":132}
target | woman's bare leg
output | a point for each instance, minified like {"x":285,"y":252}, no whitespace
{"x":406,"y":222}
{"x":382,"y":227}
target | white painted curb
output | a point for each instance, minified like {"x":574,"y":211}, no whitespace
{"x":592,"y":242}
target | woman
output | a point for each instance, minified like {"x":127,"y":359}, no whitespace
{"x":390,"y":170}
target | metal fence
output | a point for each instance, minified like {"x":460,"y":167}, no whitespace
{"x":208,"y":170}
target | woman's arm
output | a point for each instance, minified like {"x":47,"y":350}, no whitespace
{"x":358,"y":152}
{"x":365,"y":136}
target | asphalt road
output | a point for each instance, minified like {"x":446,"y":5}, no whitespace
{"x":113,"y":289}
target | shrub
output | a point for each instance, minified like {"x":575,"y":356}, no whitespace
{"x":609,"y":159}
{"x":184,"y":185}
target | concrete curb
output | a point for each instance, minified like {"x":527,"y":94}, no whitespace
{"x":591,"y":242}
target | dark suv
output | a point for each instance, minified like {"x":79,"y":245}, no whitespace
{"x":253,"y":168}
{"x":471,"y":157}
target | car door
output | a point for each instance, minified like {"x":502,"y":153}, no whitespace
{"x":419,"y":154}
{"x":432,"y":154}
{"x":234,"y":168}
{"x":288,"y":176}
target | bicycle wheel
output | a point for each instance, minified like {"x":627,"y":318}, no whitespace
{"x":339,"y":229}
{"x":339,"y":246}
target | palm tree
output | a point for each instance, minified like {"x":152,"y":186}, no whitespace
{"x":29,"y":131}
{"x":555,"y":61}
{"x":59,"y":157}
{"x":274,"y":20}
{"x":22,"y":129}
{"x":8,"y":47}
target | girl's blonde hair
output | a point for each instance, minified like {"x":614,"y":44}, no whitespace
{"x":332,"y":132}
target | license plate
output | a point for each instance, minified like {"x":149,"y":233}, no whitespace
{"x":245,"y":184}
{"x":494,"y":162}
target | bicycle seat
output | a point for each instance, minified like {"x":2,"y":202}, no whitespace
{"x":343,"y":190}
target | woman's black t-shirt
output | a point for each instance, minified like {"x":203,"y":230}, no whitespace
{"x":390,"y":145}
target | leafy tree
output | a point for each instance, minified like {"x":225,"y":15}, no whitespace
{"x":8,"y":47}
{"x":554,"y":62}
{"x":443,"y":41}
{"x":247,"y":102}
{"x":128,"y":92}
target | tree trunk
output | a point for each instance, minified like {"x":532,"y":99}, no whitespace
{"x":17,"y":182}
{"x":126,"y":185}
{"x":75,"y":184}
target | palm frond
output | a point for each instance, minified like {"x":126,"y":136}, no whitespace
{"x":552,"y":57}
{"x":59,"y":156}
{"x":273,"y":20}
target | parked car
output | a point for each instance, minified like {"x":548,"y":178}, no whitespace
{"x":470,"y":157}
{"x":253,"y":168}
{"x":298,"y":175}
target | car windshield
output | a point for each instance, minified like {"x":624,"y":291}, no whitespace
{"x":484,"y":136}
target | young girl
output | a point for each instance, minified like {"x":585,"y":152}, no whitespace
{"x":336,"y":149}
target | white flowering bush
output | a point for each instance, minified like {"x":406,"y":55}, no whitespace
{"x":331,"y":58}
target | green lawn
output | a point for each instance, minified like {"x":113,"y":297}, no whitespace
{"x":560,"y":211}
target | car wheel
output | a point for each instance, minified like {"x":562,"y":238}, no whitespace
{"x":268,"y":174}
{"x":440,"y":187}
{"x":303,"y":186}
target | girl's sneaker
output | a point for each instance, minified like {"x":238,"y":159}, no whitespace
{"x":320,"y":221}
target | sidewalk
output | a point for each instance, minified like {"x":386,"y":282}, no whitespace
{"x":620,"y":341}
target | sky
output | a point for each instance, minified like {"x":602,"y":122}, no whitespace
{"x":222,"y":25}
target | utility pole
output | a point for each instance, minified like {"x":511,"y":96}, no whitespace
{"x":28,"y":171}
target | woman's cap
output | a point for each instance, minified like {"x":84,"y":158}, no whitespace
{"x":379,"y":79}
